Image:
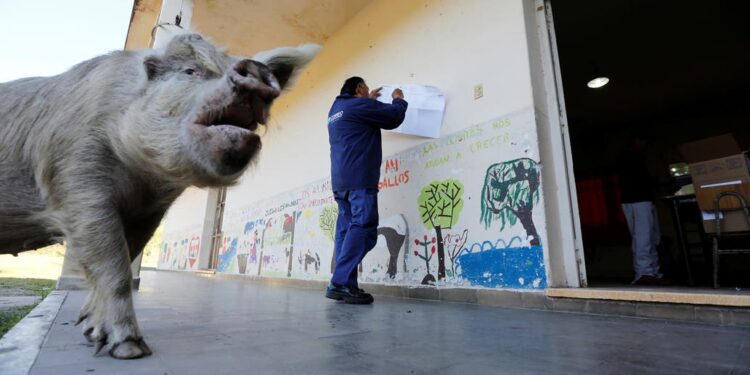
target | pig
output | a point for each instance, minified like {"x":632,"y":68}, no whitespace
{"x":95,"y":156}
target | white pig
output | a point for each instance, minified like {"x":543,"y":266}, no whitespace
{"x":96,"y":155}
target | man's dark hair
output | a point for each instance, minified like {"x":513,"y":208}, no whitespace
{"x":350,"y":85}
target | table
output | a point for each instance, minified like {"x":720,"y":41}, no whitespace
{"x":675,"y":201}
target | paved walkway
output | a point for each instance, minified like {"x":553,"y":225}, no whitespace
{"x":201,"y":325}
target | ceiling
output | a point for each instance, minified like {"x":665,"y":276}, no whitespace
{"x":664,"y":58}
{"x":245,"y":27}
{"x":248,"y":26}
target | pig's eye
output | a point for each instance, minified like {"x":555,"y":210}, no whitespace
{"x":189,"y":71}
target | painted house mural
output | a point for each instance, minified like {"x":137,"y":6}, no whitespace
{"x":179,"y":249}
{"x":463,"y":210}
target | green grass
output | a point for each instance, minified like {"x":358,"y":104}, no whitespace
{"x":14,"y":286}
{"x":9,"y":318}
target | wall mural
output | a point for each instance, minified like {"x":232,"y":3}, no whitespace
{"x":395,"y":230}
{"x":179,"y":250}
{"x":463,"y":210}
{"x":440,"y":204}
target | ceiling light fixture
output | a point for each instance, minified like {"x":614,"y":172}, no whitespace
{"x":598,"y":82}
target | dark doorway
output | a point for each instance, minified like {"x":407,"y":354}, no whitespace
{"x":679,"y":72}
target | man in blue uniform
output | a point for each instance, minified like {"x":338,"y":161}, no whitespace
{"x":354,"y":124}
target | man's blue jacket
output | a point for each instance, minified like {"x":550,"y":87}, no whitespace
{"x":354,"y":134}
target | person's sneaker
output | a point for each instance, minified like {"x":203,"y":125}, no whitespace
{"x":348,"y":295}
{"x":647,"y":280}
{"x":665,"y":281}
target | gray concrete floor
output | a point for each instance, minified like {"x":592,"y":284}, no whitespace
{"x":200,"y":325}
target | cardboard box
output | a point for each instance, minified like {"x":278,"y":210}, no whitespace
{"x":732,"y":221}
{"x":718,"y":165}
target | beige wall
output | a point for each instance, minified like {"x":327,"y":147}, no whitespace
{"x":453,"y":45}
{"x":183,"y":224}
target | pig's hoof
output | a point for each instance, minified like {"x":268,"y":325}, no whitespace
{"x":81,"y":318}
{"x":94,"y":334}
{"x":130,"y":349}
{"x":88,"y":334}
{"x":101,"y":342}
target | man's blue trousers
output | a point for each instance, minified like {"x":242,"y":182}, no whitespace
{"x":356,"y":232}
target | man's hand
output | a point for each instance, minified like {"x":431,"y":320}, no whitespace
{"x":397,"y":94}
{"x":374,"y":94}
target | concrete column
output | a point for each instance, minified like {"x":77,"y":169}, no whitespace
{"x":72,"y":278}
{"x":135,"y":268}
{"x":563,"y":248}
{"x":212,"y":214}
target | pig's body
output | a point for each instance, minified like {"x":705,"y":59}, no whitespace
{"x":57,"y":144}
{"x":95,"y":157}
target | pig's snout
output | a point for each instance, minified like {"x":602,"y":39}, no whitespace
{"x":226,"y":149}
{"x":224,"y":134}
{"x":254,"y":78}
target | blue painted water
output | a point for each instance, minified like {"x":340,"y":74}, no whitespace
{"x":512,"y":267}
{"x":225,"y":260}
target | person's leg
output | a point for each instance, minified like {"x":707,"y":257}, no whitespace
{"x":655,"y":236}
{"x":358,"y":237}
{"x":629,"y":211}
{"x":645,"y":253}
{"x":340,"y":276}
{"x":364,"y":224}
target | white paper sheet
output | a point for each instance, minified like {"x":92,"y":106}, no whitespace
{"x":424,"y":117}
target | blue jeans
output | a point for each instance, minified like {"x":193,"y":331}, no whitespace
{"x":356,"y":232}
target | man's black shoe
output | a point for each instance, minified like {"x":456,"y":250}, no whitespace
{"x":348,"y":295}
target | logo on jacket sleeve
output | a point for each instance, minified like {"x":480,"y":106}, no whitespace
{"x":335,"y":117}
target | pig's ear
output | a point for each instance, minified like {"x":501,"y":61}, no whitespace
{"x":155,"y":67}
{"x":287,"y":62}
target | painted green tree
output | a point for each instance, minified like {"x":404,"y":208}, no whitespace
{"x":440,"y":204}
{"x":511,"y":189}
{"x":327,"y":220}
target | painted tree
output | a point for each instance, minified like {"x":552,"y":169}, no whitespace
{"x":440,"y":203}
{"x":290,"y":222}
{"x":510,"y":191}
{"x":429,"y":279}
{"x":327,"y":220}
{"x":455,"y":244}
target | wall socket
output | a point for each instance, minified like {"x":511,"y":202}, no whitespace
{"x":478,"y":91}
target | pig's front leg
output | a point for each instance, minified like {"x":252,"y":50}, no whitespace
{"x":97,"y":240}
{"x":91,"y":316}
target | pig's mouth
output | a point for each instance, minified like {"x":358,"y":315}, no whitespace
{"x":226,"y":138}
{"x":236,"y":115}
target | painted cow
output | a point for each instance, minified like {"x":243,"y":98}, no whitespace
{"x":395,"y":229}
